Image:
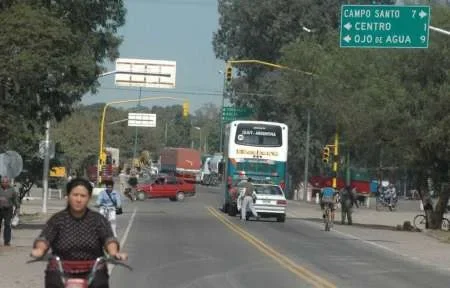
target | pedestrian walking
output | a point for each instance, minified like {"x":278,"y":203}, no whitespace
{"x":9,"y":203}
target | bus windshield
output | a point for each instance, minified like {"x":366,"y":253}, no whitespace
{"x":261,"y":135}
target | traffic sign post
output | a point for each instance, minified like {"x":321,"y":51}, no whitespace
{"x":230,"y":113}
{"x":51,"y":149}
{"x":384,"y":26}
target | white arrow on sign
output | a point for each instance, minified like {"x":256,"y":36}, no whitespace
{"x":347,"y":38}
{"x":422,"y":14}
{"x":348,"y":26}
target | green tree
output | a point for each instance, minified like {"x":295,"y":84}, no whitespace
{"x":79,"y":133}
{"x":51,"y":53}
{"x":384,"y":103}
{"x":394,"y":100}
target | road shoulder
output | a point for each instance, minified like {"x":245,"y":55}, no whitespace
{"x":416,"y":246}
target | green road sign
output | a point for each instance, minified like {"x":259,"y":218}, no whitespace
{"x":384,"y":26}
{"x":236,"y":113}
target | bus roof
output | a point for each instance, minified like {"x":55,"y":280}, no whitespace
{"x":256,"y":122}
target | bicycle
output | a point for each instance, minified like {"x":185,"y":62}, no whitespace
{"x":420,"y":221}
{"x":109,"y":213}
{"x":327,"y":220}
{"x":78,"y":282}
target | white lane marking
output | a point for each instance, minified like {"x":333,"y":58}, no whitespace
{"x":124,"y":236}
{"x":127,"y":230}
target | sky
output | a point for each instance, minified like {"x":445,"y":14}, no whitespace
{"x":175,"y":30}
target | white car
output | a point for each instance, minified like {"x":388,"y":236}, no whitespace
{"x":268,"y":199}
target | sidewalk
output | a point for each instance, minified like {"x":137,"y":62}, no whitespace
{"x":378,"y":230}
{"x":15,"y":273}
{"x":13,"y":258}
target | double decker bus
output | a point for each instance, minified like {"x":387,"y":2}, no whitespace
{"x":256,"y":149}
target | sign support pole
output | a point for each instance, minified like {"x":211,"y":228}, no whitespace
{"x":137,"y":131}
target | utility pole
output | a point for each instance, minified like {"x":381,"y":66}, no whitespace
{"x":136,"y":133}
{"x":165,"y":135}
{"x":221,"y":112}
{"x":305,"y":186}
{"x":46,"y":166}
{"x":335,"y":159}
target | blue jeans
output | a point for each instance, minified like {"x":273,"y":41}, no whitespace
{"x":6,"y":214}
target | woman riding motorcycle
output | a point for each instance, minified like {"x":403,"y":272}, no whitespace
{"x":78,"y":235}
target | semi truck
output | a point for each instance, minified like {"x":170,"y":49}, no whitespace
{"x":183,"y":163}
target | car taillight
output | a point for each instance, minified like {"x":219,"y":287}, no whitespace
{"x":281,"y":202}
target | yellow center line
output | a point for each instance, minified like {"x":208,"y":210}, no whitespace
{"x":284,"y":261}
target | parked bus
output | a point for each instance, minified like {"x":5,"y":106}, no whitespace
{"x":256,"y":149}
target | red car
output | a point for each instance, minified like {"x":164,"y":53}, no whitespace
{"x":167,"y":187}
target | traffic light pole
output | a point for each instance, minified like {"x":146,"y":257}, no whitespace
{"x":335,"y":160}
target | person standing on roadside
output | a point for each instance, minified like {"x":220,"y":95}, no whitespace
{"x":8,"y":204}
{"x":348,"y":198}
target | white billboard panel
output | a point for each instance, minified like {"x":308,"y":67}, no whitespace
{"x":145,"y":73}
{"x":141,"y":120}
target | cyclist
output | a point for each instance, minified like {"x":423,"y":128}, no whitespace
{"x":78,"y":236}
{"x":328,"y":199}
{"x":109,"y":200}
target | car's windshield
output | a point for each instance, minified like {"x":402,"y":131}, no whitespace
{"x":268,"y":190}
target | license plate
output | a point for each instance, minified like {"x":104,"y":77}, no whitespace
{"x":266,"y":201}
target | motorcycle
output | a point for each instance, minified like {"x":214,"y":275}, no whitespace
{"x":131,"y":193}
{"x":383,"y":202}
{"x":78,"y":282}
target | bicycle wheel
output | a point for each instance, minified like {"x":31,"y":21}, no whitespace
{"x":327,"y":219}
{"x":379,"y":206}
{"x":420,"y":221}
{"x":445,"y":225}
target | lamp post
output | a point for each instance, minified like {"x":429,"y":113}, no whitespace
{"x":200,"y":140}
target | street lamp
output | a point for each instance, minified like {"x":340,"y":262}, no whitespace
{"x":309,"y":30}
{"x":200,"y":140}
{"x":117,"y":122}
{"x":308,"y":129}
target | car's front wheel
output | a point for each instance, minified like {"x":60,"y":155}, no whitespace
{"x":180,"y":196}
{"x":141,"y":195}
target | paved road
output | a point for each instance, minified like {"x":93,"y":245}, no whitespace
{"x":193,"y":244}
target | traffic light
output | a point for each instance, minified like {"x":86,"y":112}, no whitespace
{"x":229,"y":73}
{"x":103,"y":158}
{"x":326,"y":154}
{"x":185,"y":109}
